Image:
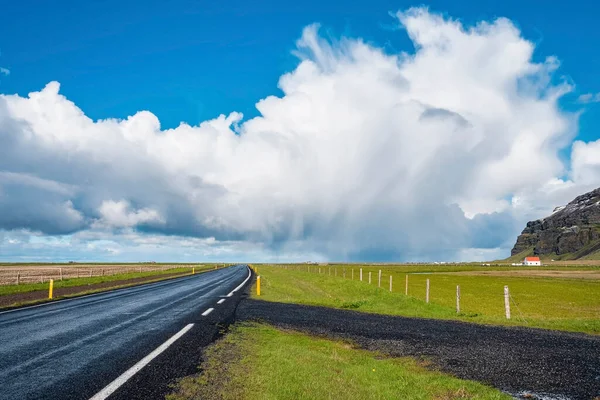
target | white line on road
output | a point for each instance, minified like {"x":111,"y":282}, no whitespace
{"x":220,"y":301}
{"x":241,"y":284}
{"x":205,"y":313}
{"x":117,"y":383}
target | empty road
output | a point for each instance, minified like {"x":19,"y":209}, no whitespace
{"x":73,"y":349}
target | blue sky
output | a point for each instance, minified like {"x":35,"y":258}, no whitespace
{"x":192,"y":61}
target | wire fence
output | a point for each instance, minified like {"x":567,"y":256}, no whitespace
{"x":399,"y":282}
{"x":28,"y":275}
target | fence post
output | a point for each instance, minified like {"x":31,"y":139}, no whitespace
{"x":390,"y":283}
{"x":51,"y":289}
{"x":319,"y":270}
{"x":458,"y":299}
{"x":507,"y":302}
{"x":369,"y":277}
{"x":379,"y":279}
{"x":427,"y":292}
{"x":18,"y":278}
{"x":344,"y":273}
{"x":352,"y":273}
{"x":90,"y":272}
{"x":361,"y":274}
{"x":406,"y":286}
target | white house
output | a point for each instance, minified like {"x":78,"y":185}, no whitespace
{"x":532,"y":261}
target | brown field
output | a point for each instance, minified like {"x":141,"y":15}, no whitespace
{"x":21,"y":274}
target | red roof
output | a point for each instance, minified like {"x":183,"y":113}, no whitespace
{"x":532,"y":259}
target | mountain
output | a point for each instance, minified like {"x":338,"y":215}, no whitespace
{"x":572,"y":232}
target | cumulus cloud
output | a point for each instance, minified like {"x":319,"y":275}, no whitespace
{"x":437,"y":154}
{"x":118,"y":214}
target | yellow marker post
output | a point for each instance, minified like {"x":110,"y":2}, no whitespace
{"x":193,"y":270}
{"x":51,"y":289}
{"x":258,"y":285}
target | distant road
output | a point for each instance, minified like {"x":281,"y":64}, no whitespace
{"x":73,"y":349}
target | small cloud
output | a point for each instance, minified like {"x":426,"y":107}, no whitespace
{"x":588,"y":98}
{"x":118,"y":214}
{"x":4,"y":71}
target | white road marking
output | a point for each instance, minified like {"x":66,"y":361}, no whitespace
{"x":117,"y":383}
{"x":241,"y":284}
{"x":220,"y":301}
{"x":205,"y":313}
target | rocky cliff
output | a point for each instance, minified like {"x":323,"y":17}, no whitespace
{"x":571,"y":232}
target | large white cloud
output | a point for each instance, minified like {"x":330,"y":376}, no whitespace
{"x":366,"y":155}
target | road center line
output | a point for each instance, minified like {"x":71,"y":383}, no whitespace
{"x":205,"y":313}
{"x":117,"y":383}
{"x":220,"y":301}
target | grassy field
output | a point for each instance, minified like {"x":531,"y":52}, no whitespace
{"x":260,"y":362}
{"x":571,"y":304}
{"x":30,"y":287}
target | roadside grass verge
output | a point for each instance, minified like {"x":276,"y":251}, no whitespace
{"x":550,"y":303}
{"x":31,"y":287}
{"x":256,"y":361}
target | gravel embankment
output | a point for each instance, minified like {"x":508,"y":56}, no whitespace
{"x":534,"y":363}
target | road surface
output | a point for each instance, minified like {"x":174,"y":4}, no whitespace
{"x":75,"y":348}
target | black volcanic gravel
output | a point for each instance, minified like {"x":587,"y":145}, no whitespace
{"x":515,"y":360}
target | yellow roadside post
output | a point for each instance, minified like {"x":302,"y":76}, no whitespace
{"x":258,"y":285}
{"x":51,"y":289}
{"x":193,"y":270}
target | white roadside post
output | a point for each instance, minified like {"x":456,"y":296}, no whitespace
{"x":352,"y":273}
{"x":458,"y":299}
{"x":406,"y":286}
{"x":361,"y":274}
{"x":427,"y":292}
{"x":507,"y":302}
{"x":390,"y":283}
{"x":369,"y":277}
{"x":379,"y":279}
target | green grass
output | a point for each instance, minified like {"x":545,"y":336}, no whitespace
{"x":551,"y":303}
{"x":260,"y":362}
{"x":31,"y":287}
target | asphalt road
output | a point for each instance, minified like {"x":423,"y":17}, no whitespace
{"x":72,"y":349}
{"x":526,"y":363}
